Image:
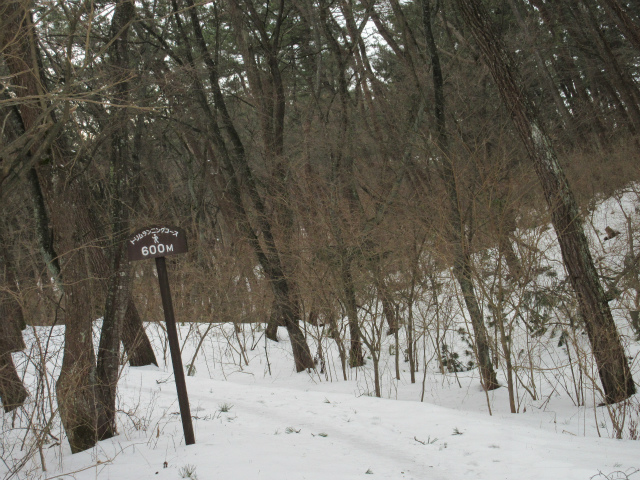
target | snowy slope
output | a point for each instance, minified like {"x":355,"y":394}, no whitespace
{"x":263,"y":421}
{"x":300,"y":427}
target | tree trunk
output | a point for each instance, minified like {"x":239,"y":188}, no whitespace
{"x":356,"y":357}
{"x":616,"y":73}
{"x":12,"y":390}
{"x":75,"y":387}
{"x":505,"y":341}
{"x":242,"y":189}
{"x":43,"y":230}
{"x":599,"y":89}
{"x":119,"y":281}
{"x":343,"y":182}
{"x":135,"y":339}
{"x":275,"y":321}
{"x":577,"y":105}
{"x":613,"y":367}
{"x":268,"y":94}
{"x":388,"y":306}
{"x":462,"y":268}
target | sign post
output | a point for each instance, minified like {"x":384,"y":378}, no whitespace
{"x":158,"y":242}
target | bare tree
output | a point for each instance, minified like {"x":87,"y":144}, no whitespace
{"x":122,"y":170}
{"x":246,"y":201}
{"x":612,"y":363}
{"x":461,"y":252}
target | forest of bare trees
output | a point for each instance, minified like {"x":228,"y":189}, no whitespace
{"x":347,"y":170}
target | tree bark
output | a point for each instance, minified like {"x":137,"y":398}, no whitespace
{"x":75,"y":387}
{"x":12,"y":390}
{"x":135,"y":339}
{"x":43,"y":229}
{"x":462,"y":268}
{"x":122,"y":169}
{"x":343,"y":182}
{"x":76,"y":384}
{"x":608,"y":352}
{"x":268,"y":94}
{"x":356,"y":356}
{"x":388,"y":305}
{"x":241,"y":187}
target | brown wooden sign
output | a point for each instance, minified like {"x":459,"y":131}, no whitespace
{"x":156,"y":241}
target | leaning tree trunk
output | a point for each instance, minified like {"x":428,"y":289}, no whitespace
{"x":135,"y":340}
{"x":268,"y":94}
{"x":249,"y":209}
{"x":342,"y":179}
{"x":462,"y":268}
{"x":388,"y":306}
{"x":608,"y":352}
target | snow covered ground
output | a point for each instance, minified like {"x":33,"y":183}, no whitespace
{"x":255,"y":418}
{"x":250,"y":424}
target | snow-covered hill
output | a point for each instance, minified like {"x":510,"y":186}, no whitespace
{"x":255,"y":418}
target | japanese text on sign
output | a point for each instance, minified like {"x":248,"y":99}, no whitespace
{"x":157,"y":241}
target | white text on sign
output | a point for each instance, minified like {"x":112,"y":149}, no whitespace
{"x":156,"y":249}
